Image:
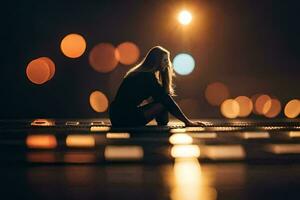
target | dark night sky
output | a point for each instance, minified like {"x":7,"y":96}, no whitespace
{"x":251,"y":46}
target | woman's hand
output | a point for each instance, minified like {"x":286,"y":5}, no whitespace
{"x":194,"y":123}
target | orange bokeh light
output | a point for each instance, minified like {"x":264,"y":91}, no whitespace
{"x":127,"y":53}
{"x":80,"y":141}
{"x":102,"y":58}
{"x":275,"y":108}
{"x":38,"y":71}
{"x":230,"y":108}
{"x":292,"y":108}
{"x":41,"y":141}
{"x":245,"y":105}
{"x":73,"y":45}
{"x":51,"y":66}
{"x":216,"y":93}
{"x":263,"y":104}
{"x":98,"y":101}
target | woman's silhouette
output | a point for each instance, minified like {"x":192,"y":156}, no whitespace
{"x":150,"y":81}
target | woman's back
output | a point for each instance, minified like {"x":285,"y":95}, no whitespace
{"x":135,"y":88}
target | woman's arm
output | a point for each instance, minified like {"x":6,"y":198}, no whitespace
{"x":159,"y":94}
{"x":175,"y":110}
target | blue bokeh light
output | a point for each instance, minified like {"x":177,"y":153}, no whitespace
{"x":183,"y":64}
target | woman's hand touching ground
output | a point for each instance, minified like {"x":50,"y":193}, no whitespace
{"x":194,"y":123}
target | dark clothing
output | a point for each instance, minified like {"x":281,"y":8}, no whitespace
{"x":134,"y":89}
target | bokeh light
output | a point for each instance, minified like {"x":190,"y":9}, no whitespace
{"x":127,"y":53}
{"x":41,"y":141}
{"x":292,"y":108}
{"x":230,"y":108}
{"x":190,"y":182}
{"x":38,"y":71}
{"x":114,"y":152}
{"x":180,"y":138}
{"x":102,"y":58}
{"x":216,"y":93}
{"x":98,"y":101}
{"x":245,"y":105}
{"x":185,"y":17}
{"x":263,"y":104}
{"x":80,"y":141}
{"x":183,"y":64}
{"x":51,"y":66}
{"x":185,"y":151}
{"x":73,"y":45}
{"x":275,"y":108}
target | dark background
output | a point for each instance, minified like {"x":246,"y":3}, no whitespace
{"x":251,"y":46}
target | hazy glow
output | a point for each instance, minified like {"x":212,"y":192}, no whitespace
{"x":80,"y":141}
{"x":183,"y":64}
{"x":224,"y":152}
{"x":127,"y":53}
{"x":180,"y":138}
{"x":263,"y":104}
{"x":41,"y":141}
{"x":294,"y":133}
{"x":216,"y":93}
{"x":189,"y":182}
{"x":185,"y":151}
{"x":38,"y":71}
{"x":284,"y":148}
{"x":42,"y":122}
{"x":194,"y":129}
{"x":245,"y":105}
{"x":73,"y":45}
{"x":117,"y":135}
{"x":98,"y":101}
{"x":230,"y":108}
{"x":292,"y":108}
{"x":41,"y":157}
{"x":185,"y":17}
{"x":255,"y":135}
{"x":102,"y":58}
{"x":80,"y":157}
{"x":274,"y":109}
{"x":207,"y":135}
{"x":123,"y":153}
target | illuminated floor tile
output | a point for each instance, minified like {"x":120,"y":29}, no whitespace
{"x":99,"y":128}
{"x":117,"y":135}
{"x":72,"y":123}
{"x":224,"y":152}
{"x":42,"y":122}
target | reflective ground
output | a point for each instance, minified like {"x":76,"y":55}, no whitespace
{"x":89,"y":159}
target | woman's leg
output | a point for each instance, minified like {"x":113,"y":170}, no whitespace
{"x":163,"y":118}
{"x":155,"y":111}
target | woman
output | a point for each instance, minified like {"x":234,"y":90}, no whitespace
{"x":150,"y":81}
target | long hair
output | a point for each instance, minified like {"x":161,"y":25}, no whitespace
{"x":152,"y":63}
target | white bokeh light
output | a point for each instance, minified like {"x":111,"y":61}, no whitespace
{"x":183,"y":64}
{"x":185,"y":17}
